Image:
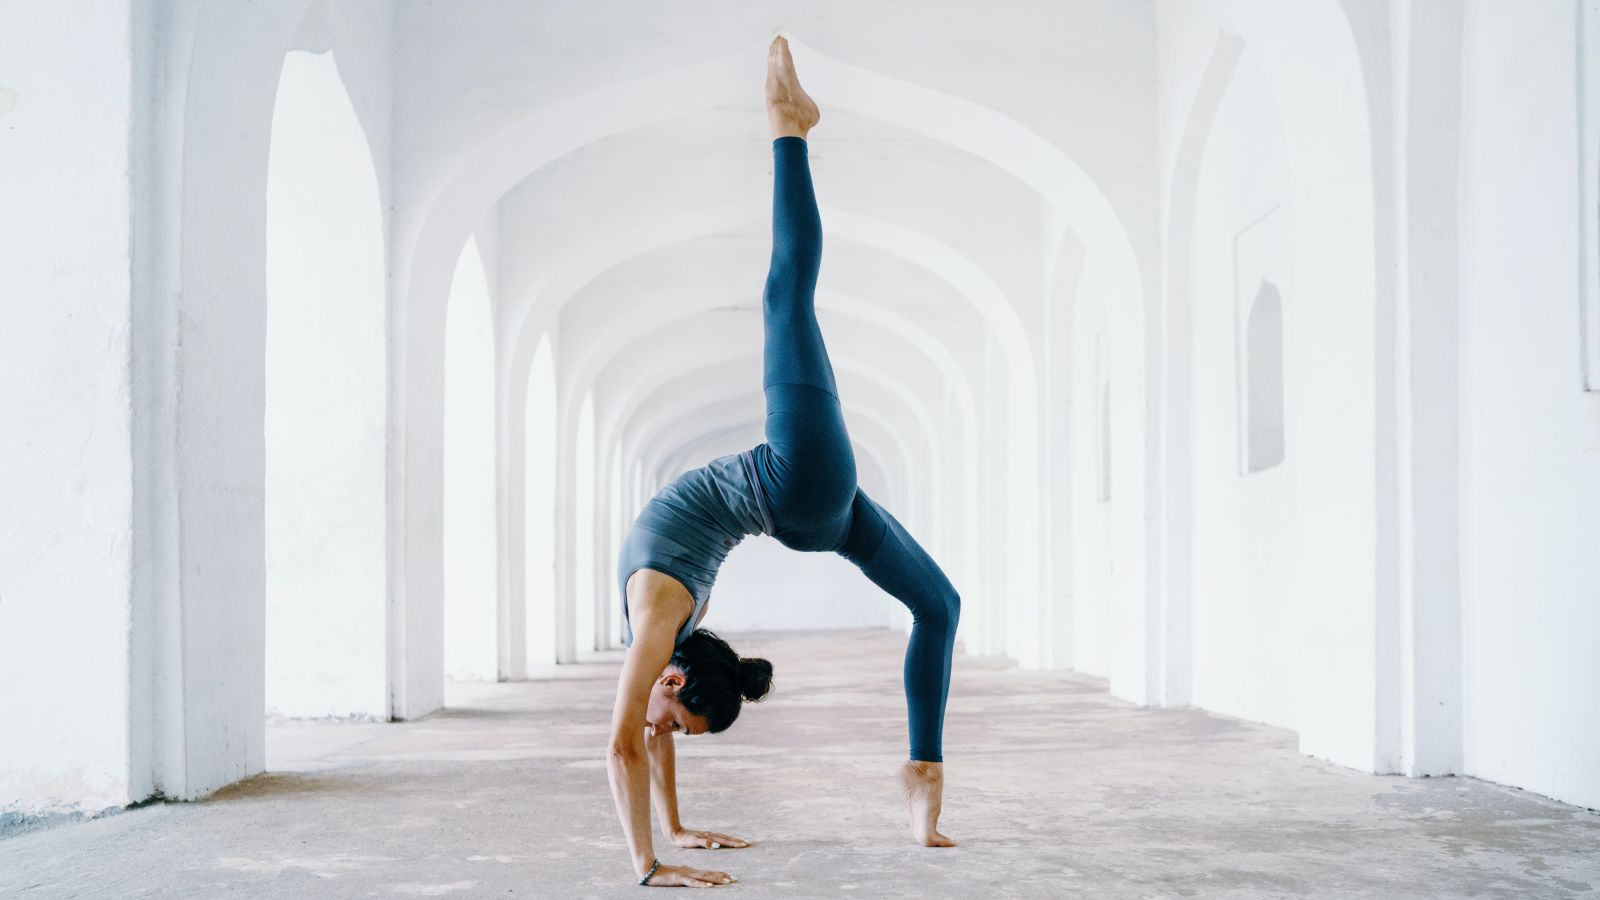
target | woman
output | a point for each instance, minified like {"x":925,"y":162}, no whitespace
{"x":799,"y":487}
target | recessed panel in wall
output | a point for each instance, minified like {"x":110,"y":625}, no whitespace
{"x":1260,"y":277}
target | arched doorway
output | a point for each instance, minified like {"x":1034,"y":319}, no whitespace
{"x":325,"y":410}
{"x":471,"y":649}
{"x":539,"y":507}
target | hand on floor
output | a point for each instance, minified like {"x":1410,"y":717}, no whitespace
{"x":707,"y":840}
{"x":688,"y":876}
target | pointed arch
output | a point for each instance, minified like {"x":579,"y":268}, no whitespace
{"x":471,"y":611}
{"x":325,"y":403}
{"x":540,"y":485}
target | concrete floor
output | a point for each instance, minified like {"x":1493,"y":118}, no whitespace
{"x":1055,"y":790}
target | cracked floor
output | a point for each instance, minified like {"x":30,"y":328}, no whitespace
{"x":1055,"y":789}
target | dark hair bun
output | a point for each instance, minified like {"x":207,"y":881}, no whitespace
{"x":755,"y":678}
{"x":717,"y":680}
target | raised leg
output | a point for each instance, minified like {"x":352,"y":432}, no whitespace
{"x":807,"y":467}
{"x":794,"y":352}
{"x":894,"y":561}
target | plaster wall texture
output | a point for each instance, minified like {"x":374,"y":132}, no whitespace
{"x":66,"y":520}
{"x":1530,"y":485}
{"x":220,"y":446}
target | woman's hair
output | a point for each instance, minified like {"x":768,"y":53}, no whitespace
{"x":716,"y":679}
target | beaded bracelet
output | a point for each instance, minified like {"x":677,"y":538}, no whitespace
{"x":654,"y":865}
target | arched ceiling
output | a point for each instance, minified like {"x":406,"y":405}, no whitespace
{"x":539,"y":138}
{"x":634,"y":298}
{"x":494,"y":148}
{"x":431,"y":232}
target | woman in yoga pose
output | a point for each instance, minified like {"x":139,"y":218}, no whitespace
{"x":799,"y":487}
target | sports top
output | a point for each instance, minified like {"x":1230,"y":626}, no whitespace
{"x":688,"y":528}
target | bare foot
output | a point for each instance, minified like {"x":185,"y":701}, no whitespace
{"x":923,"y":784}
{"x":789,"y":108}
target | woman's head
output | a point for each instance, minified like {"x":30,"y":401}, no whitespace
{"x":704,"y":686}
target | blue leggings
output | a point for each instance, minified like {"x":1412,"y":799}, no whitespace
{"x":808,"y":470}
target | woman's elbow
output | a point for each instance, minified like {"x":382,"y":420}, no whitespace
{"x":623,"y":753}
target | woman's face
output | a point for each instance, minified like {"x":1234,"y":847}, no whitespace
{"x":665,"y":713}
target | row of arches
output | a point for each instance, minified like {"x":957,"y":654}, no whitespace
{"x":470,"y":562}
{"x":1007,"y":569}
{"x":886,"y":236}
{"x":1210,"y":349}
{"x":1066,"y":415}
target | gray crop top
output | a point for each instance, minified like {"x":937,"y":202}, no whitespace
{"x":690,"y":526}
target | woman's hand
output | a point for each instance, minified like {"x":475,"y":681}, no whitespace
{"x":690,"y":839}
{"x":688,"y":876}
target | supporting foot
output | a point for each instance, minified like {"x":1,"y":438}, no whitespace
{"x":923,"y":784}
{"x":790,"y":110}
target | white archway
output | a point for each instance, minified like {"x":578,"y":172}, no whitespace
{"x":471,"y":617}
{"x":616,"y":528}
{"x":539,"y":479}
{"x":325,"y":404}
{"x":584,"y":529}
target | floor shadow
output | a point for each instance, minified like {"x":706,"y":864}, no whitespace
{"x":474,"y":712}
{"x":269,"y":785}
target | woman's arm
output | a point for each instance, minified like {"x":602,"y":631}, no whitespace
{"x":664,"y":791}
{"x":655,"y":613}
{"x":626,"y":761}
{"x":664,"y":782}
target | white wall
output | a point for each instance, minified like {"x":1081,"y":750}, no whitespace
{"x":1246,"y":602}
{"x":1530,"y":473}
{"x":1271,"y":583}
{"x":65,"y":522}
{"x":200,"y":642}
{"x":1096,"y":454}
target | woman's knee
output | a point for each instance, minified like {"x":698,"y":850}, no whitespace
{"x":952,"y":605}
{"x":940,"y":610}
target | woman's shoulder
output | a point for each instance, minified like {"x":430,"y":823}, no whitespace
{"x":654,"y":596}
